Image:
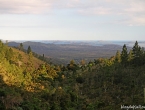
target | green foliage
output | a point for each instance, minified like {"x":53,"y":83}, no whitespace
{"x":104,"y":84}
{"x":29,"y":49}
{"x":72,"y":66}
{"x":79,"y":79}
{"x":136,"y":50}
{"x":130,"y":56}
{"x":124,"y":55}
{"x":20,"y":57}
{"x":138,"y":54}
{"x":46,"y":71}
{"x":9,"y":54}
{"x":118,"y":57}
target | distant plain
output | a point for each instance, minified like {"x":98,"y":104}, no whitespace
{"x":61,"y":52}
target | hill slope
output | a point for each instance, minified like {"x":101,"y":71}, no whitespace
{"x":14,"y":63}
{"x":101,"y":84}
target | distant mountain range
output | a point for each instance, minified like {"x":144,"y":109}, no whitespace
{"x":64,"y":51}
{"x":85,"y":42}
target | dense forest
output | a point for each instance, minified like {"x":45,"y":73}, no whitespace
{"x":29,"y":82}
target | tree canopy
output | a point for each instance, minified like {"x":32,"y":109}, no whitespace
{"x":102,"y":84}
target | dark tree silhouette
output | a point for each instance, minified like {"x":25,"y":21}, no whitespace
{"x":29,"y":49}
{"x":124,"y":55}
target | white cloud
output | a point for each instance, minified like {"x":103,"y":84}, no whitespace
{"x":113,"y":7}
{"x":22,"y":6}
{"x":95,"y":11}
{"x":136,"y":21}
{"x":130,"y":11}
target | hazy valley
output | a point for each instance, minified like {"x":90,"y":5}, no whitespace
{"x":61,"y":52}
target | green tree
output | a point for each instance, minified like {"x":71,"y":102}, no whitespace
{"x":137,"y":54}
{"x":43,"y":56}
{"x":130,"y":56}
{"x":1,"y":44}
{"x":2,"y":53}
{"x":118,"y":57}
{"x":30,"y":56}
{"x":9,"y":54}
{"x":72,"y":66}
{"x":20,"y":57}
{"x":136,"y":50}
{"x":82,"y":63}
{"x":72,"y":62}
{"x":29,"y":49}
{"x":124,"y":55}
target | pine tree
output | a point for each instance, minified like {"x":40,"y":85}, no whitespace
{"x":137,"y":54}
{"x":130,"y":56}
{"x":29,"y":49}
{"x":124,"y":55}
{"x":9,"y":54}
{"x":118,"y":57}
{"x":143,"y":59}
{"x":136,"y":50}
{"x":43,"y":57}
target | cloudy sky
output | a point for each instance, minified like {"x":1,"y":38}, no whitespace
{"x":72,"y":19}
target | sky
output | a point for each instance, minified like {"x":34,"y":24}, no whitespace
{"x":72,"y":20}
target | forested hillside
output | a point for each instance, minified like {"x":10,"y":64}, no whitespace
{"x":28,"y":83}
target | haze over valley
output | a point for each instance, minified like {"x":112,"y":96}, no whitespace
{"x":64,"y":51}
